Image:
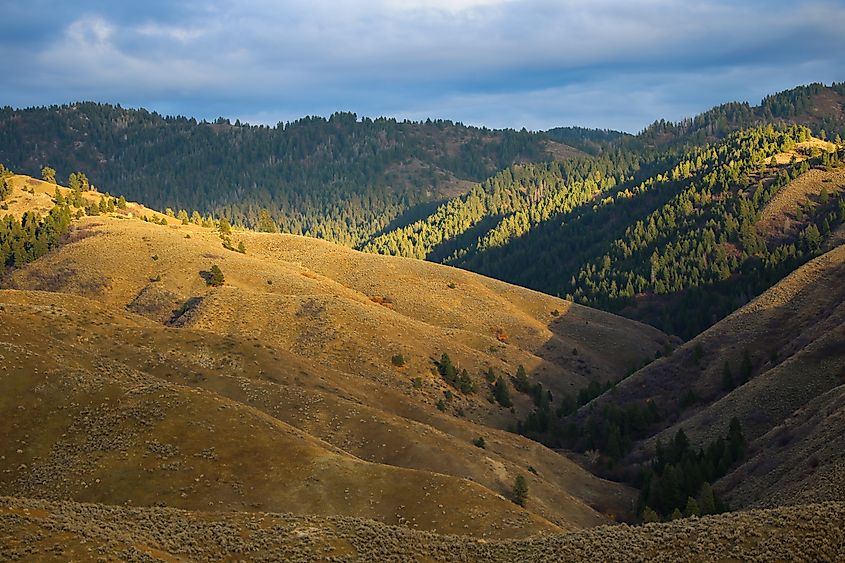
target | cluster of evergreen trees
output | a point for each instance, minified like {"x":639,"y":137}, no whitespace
{"x":640,"y":225}
{"x":24,"y":240}
{"x":505,"y":207}
{"x":605,"y":230}
{"x":788,"y":106}
{"x":682,"y":248}
{"x":454,"y":376}
{"x":678,"y":481}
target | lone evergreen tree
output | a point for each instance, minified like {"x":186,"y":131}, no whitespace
{"x":48,"y":174}
{"x":650,"y":515}
{"x":519,"y":494}
{"x":501,"y":393}
{"x":266,"y":223}
{"x":692,"y":508}
{"x":215,"y":278}
{"x":706,"y":500}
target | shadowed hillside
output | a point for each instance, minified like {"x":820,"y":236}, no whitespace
{"x":776,"y":366}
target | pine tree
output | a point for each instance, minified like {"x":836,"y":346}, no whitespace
{"x":266,"y":223}
{"x":676,"y":515}
{"x":215,"y":277}
{"x":520,"y":382}
{"x":736,"y":440}
{"x":706,"y":500}
{"x":501,"y":393}
{"x":48,"y":174}
{"x":649,"y":516}
{"x":447,"y":369}
{"x":692,"y":508}
{"x":519,"y":493}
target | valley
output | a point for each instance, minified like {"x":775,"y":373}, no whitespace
{"x":572,"y":345}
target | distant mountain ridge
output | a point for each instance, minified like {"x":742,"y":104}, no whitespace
{"x":341,"y":178}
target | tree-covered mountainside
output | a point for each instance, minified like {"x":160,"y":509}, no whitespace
{"x":340,"y":178}
{"x":668,"y":217}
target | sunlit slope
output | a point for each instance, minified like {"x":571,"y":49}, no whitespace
{"x":312,"y":349}
{"x":318,"y":300}
{"x":93,"y":411}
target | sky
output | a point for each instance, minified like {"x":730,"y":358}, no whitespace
{"x":616,"y":64}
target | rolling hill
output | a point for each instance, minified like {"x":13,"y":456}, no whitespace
{"x":145,"y":379}
{"x":176,"y":387}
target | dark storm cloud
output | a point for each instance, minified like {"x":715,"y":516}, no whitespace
{"x":530,"y":63}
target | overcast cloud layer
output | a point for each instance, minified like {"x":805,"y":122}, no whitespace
{"x":502,"y":63}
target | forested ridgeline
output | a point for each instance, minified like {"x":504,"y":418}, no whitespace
{"x":703,"y":251}
{"x":29,"y":237}
{"x":340,"y":178}
{"x":632,"y":232}
{"x":636,"y":224}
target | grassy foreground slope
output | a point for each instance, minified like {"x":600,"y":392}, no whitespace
{"x":65,"y":530}
{"x":129,"y":341}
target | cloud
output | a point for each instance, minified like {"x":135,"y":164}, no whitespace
{"x":181,"y":34}
{"x":537,"y":63}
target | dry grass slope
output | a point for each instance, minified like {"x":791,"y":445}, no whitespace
{"x":296,"y":344}
{"x":778,"y":219}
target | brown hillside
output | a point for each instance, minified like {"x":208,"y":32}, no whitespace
{"x":320,"y":301}
{"x":110,"y":431}
{"x":301,"y":336}
{"x":798,"y":461}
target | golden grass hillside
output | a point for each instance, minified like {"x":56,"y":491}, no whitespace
{"x":61,"y":531}
{"x":302,"y":335}
{"x":298,"y":293}
{"x":93,"y":411}
{"x":778,"y":221}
